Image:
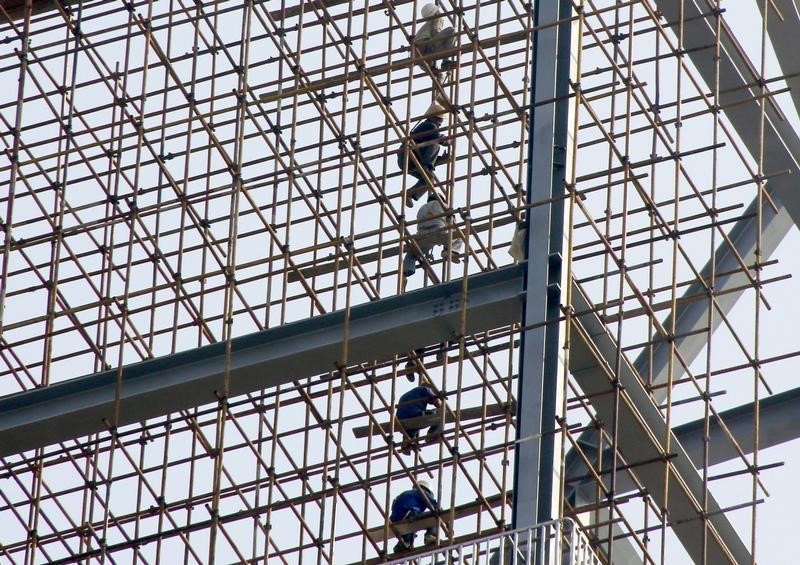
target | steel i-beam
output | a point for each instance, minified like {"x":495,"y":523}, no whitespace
{"x":376,"y":331}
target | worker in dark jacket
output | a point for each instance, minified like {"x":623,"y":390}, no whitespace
{"x":428,"y":139}
{"x":410,"y":505}
{"x":415,"y":403}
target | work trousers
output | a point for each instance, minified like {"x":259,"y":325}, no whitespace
{"x":427,"y":239}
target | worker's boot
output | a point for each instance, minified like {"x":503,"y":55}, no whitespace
{"x":415,"y":193}
{"x":453,"y":256}
{"x":405,"y":447}
{"x":431,"y":539}
{"x":410,"y":372}
{"x":434,"y":434}
{"x":443,"y":158}
{"x":401,"y":546}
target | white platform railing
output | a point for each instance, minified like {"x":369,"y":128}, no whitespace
{"x":558,"y":542}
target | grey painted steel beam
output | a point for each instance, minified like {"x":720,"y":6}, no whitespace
{"x":783,"y":30}
{"x":640,"y":432}
{"x":536,"y":462}
{"x":781,"y":150}
{"x":691,"y":317}
{"x":779,"y":422}
{"x":377,"y":331}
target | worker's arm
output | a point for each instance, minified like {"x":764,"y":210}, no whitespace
{"x":434,"y":399}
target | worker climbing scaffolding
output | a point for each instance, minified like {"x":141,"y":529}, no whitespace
{"x":410,"y":505}
{"x":433,"y":37}
{"x":413,"y":404}
{"x":434,"y":227}
{"x":426,"y":140}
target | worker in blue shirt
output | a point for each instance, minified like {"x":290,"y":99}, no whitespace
{"x":415,"y":403}
{"x":410,"y":505}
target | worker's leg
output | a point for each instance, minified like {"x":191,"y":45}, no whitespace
{"x":405,"y":162}
{"x":425,"y":48}
{"x":404,"y":542}
{"x":435,"y":431}
{"x":432,"y":535}
{"x":409,"y":263}
{"x":415,"y":192}
{"x":426,"y":155}
{"x":418,"y":177}
{"x":420,"y":352}
{"x":445,"y":39}
{"x":408,"y":441}
{"x":451,"y":246}
{"x":426,"y":241}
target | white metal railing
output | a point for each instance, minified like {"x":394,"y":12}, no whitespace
{"x":558,"y":542}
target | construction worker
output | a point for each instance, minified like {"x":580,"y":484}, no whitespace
{"x":432,"y":36}
{"x":434,"y":228}
{"x":428,"y":139}
{"x":410,"y":505}
{"x":415,"y":403}
{"x":517,"y":247}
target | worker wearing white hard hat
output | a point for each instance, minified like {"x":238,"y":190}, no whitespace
{"x":429,"y":10}
{"x":410,"y":505}
{"x":432,"y":36}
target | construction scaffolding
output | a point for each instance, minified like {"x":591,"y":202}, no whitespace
{"x":205,"y":324}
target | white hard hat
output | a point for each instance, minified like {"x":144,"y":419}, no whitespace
{"x":429,"y":10}
{"x":424,"y":484}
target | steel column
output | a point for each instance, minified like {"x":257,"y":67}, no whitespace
{"x":535,"y":463}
